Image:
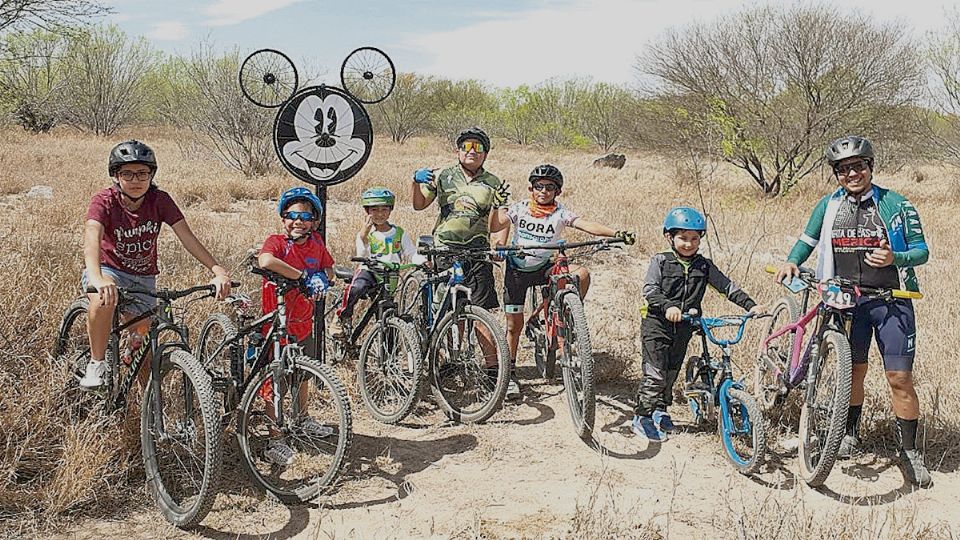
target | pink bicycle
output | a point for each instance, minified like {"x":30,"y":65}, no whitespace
{"x":821,"y":368}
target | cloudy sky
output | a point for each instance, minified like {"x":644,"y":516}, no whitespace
{"x":502,"y":42}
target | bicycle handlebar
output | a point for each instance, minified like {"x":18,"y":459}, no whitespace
{"x":561,"y":245}
{"x":706,"y":324}
{"x":387,"y":265}
{"x":808,"y":277}
{"x":166,"y":294}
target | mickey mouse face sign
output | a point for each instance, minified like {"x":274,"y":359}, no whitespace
{"x":322,"y":135}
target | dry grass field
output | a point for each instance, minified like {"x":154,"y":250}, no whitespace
{"x":524,"y":474}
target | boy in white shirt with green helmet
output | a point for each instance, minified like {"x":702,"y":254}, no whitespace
{"x":378,"y":239}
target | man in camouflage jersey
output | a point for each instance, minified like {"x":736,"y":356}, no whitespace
{"x":467,"y":194}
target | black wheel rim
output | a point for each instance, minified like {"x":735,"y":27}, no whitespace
{"x":368,"y":74}
{"x":268,"y":78}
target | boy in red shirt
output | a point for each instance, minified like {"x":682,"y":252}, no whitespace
{"x":120,"y":247}
{"x":298,"y":253}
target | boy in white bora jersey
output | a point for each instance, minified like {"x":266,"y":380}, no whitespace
{"x":378,"y":239}
{"x":539,"y":220}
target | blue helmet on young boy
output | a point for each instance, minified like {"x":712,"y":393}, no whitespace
{"x":378,"y":196}
{"x":296,"y":194}
{"x":684,"y":218}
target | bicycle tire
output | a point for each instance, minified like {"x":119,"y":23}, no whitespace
{"x":408,"y":298}
{"x":444,"y":372}
{"x":578,"y":378}
{"x":368,"y":74}
{"x":216,"y":330}
{"x":406,"y":380}
{"x":254,"y":423}
{"x":268,"y":78}
{"x":766,"y":384}
{"x":188,"y":395}
{"x":72,"y":347}
{"x":817,"y":425}
{"x":741,"y":405}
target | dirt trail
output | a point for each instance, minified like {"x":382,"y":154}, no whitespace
{"x":525,"y":474}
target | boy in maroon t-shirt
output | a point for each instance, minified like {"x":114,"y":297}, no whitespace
{"x":299,"y":253}
{"x":120,"y":246}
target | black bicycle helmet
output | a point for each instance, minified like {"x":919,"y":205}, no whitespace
{"x":548,"y":172}
{"x":474,"y":133}
{"x":849,"y":146}
{"x":131,"y":151}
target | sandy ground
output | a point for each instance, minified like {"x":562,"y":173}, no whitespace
{"x":525,"y":474}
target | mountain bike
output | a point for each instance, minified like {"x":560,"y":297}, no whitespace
{"x":458,"y":338}
{"x":558,"y":323}
{"x":279,"y":394}
{"x":390,"y":363}
{"x":179,"y":425}
{"x":821,"y":369}
{"x":710,"y":384}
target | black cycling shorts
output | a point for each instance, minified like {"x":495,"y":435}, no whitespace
{"x":516,"y":283}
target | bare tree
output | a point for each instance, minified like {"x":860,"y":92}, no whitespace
{"x":944,"y":58}
{"x":407,"y":111}
{"x":602,"y":114}
{"x":106,"y":72}
{"x":48,"y":14}
{"x":778,"y":83}
{"x":205,"y":98}
{"x":31,"y":79}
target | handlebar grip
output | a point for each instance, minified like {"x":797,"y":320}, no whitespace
{"x":358,"y":259}
{"x":235,"y":284}
{"x":92,"y":290}
{"x":912,"y":295}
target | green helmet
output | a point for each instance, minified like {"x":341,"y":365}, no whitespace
{"x":377,"y":196}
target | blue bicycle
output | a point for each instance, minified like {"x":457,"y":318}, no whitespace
{"x":710,"y":384}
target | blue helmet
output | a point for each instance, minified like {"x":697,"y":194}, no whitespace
{"x":299,"y":194}
{"x":685,"y":218}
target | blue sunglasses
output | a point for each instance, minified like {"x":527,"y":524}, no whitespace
{"x":302,"y":216}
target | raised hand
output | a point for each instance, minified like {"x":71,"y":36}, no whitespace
{"x":423,"y":176}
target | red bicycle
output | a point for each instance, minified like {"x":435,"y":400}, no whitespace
{"x":557,"y":326}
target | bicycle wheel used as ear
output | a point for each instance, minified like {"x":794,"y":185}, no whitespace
{"x":268,"y":78}
{"x":368,"y":75}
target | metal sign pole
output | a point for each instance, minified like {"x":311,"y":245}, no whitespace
{"x":319,"y":307}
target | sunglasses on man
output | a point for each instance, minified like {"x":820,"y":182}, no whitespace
{"x":476,"y":146}
{"x":856,"y":166}
{"x":302,"y":216}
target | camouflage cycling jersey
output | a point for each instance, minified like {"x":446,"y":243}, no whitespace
{"x":464,"y":207}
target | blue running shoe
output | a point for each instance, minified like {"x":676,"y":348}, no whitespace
{"x":643,"y":426}
{"x":663,"y":421}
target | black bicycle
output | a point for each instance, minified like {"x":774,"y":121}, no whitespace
{"x":179,"y":424}
{"x":558,"y":322}
{"x":390,"y":363}
{"x":281,"y":397}
{"x":465,"y":347}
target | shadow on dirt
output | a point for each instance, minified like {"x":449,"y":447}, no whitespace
{"x":299,"y":519}
{"x":392,"y":460}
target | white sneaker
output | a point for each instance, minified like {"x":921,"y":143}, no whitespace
{"x":278,"y":453}
{"x":314,"y":429}
{"x":93,"y":375}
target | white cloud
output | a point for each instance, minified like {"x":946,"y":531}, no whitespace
{"x":598,"y":38}
{"x":229,"y":12}
{"x":168,"y":31}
